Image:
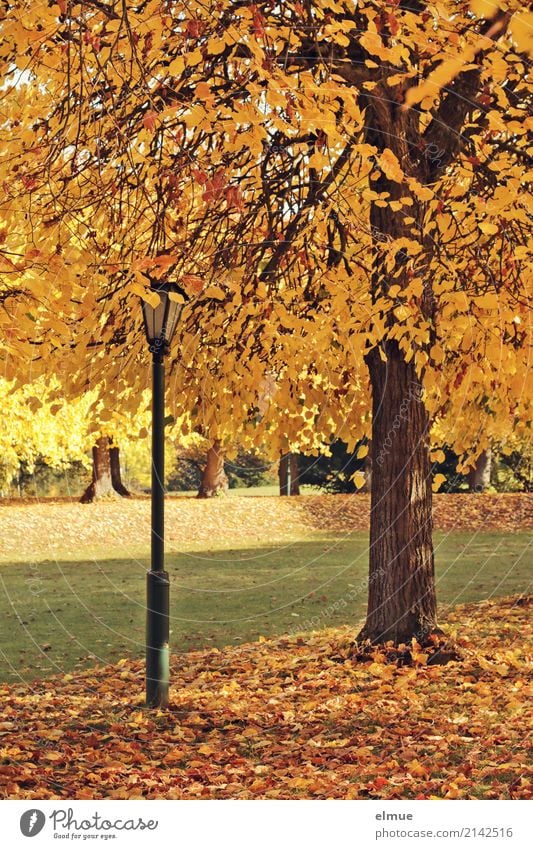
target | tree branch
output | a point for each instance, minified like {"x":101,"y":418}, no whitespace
{"x":444,"y":130}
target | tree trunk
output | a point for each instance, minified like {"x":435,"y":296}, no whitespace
{"x":289,"y":474}
{"x":479,"y":476}
{"x":402,"y":598}
{"x":214,"y":480}
{"x":283,"y":474}
{"x":367,"y":470}
{"x":116,"y":475}
{"x":105,"y":462}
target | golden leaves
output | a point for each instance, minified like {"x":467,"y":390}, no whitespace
{"x":216,"y":149}
{"x":438,"y":480}
{"x":275,"y":719}
{"x":145,"y":293}
{"x":391,"y":166}
{"x":484,"y":8}
{"x":488,"y":227}
{"x":193,"y":283}
{"x":215,"y":292}
{"x":521,"y":30}
{"x":438,"y":79}
{"x":490,"y":301}
{"x":359,"y":480}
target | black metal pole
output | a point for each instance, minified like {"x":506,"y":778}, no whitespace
{"x":157,"y":584}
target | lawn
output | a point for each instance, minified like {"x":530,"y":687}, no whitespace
{"x":60,"y":615}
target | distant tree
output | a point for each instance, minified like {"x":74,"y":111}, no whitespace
{"x":248,"y":468}
{"x":514,"y":470}
{"x":214,"y":480}
{"x":479,"y":474}
{"x":289,"y":474}
{"x":106,"y":478}
{"x":333,"y":473}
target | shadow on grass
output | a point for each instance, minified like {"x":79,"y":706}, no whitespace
{"x":60,"y":616}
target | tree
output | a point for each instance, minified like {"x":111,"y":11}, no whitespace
{"x":335,"y":471}
{"x":214,"y":480}
{"x":341,"y":179}
{"x":479,"y":475}
{"x":41,"y":430}
{"x":289,"y":474}
{"x":513,"y":466}
{"x":106,"y":476}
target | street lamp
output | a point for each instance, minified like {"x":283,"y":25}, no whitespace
{"x":160,"y":322}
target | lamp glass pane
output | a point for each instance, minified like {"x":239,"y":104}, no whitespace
{"x":173,"y":315}
{"x":159,"y":314}
{"x":154,"y":317}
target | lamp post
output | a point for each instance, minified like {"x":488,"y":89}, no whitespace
{"x":160,"y":323}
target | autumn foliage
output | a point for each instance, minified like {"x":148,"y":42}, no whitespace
{"x":290,"y":718}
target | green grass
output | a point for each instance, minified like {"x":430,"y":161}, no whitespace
{"x":57,"y":616}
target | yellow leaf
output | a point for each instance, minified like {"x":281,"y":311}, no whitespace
{"x":416,"y":769}
{"x":147,"y":295}
{"x":318,"y":161}
{"x":176,"y":67}
{"x":359,"y":479}
{"x":390,"y":165}
{"x":421,"y":192}
{"x":438,"y":480}
{"x":440,"y":77}
{"x":363,"y":451}
{"x":215,"y":46}
{"x":484,"y":8}
{"x":214,"y":292}
{"x":487,"y":227}
{"x":437,"y":354}
{"x":521,"y":29}
{"x":195,"y":57}
{"x":202,"y":91}
{"x":490,"y":301}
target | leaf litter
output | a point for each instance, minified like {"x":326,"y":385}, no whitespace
{"x":293,"y":717}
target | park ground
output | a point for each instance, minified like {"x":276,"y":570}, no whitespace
{"x":268,"y":699}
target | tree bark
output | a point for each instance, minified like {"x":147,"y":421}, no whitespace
{"x":294,"y":488}
{"x":105,"y":483}
{"x":116,"y":475}
{"x":402,"y":599}
{"x":283,"y":474}
{"x":289,"y":475}
{"x":402,"y":596}
{"x":479,"y":476}
{"x":214,"y":479}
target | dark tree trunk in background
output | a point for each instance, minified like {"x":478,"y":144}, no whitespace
{"x":116,"y":475}
{"x":479,"y":476}
{"x":402,"y":600}
{"x":283,"y":474}
{"x":294,"y":487}
{"x":101,"y":484}
{"x":289,"y":474}
{"x":105,"y":464}
{"x":214,"y":480}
